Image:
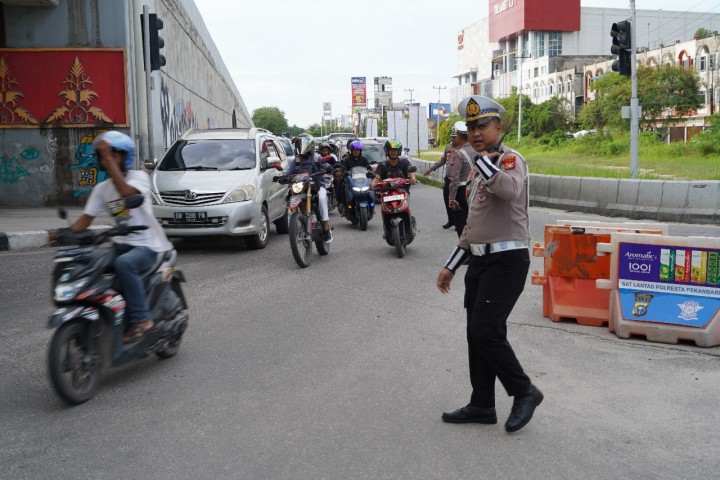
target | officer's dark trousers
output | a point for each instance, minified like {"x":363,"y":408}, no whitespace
{"x":493,"y":283}
{"x":446,"y":198}
{"x":460,"y":215}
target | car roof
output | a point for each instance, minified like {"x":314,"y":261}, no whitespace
{"x":225,"y":133}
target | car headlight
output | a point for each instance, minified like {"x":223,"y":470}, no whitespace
{"x":68,"y":291}
{"x":297,"y":187}
{"x":241,"y":194}
{"x":361,"y":189}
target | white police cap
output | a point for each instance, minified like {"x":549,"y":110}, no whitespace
{"x":479,"y":109}
{"x":459,"y":127}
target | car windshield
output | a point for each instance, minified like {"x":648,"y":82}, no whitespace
{"x":374,"y":153}
{"x":210,"y":155}
{"x":287,"y":146}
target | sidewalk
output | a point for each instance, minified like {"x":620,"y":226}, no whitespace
{"x":26,"y":228}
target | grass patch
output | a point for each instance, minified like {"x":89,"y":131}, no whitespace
{"x":608,"y":156}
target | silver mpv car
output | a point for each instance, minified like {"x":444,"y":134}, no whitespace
{"x":219,"y":182}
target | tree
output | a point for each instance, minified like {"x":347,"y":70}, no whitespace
{"x":612,"y":91}
{"x":665,"y":94}
{"x":271,"y":118}
{"x":701,"y":33}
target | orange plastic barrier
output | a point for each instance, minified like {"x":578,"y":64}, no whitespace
{"x":572,"y":266}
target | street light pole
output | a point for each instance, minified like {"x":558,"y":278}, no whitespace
{"x":521,"y":58}
{"x":437,"y":116}
{"x":712,"y":89}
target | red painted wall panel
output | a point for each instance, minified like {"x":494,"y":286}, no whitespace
{"x":509,"y":17}
{"x":63,"y":87}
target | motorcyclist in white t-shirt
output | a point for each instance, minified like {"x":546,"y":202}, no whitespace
{"x":137,"y":252}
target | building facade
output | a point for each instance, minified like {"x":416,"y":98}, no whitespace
{"x":546,"y":50}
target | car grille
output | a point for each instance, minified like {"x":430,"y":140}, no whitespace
{"x":190,"y":198}
{"x":212,"y":222}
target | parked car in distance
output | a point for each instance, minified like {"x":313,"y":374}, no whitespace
{"x":219,"y":182}
{"x":341,"y":136}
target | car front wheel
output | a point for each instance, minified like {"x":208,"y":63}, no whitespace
{"x":260,"y":239}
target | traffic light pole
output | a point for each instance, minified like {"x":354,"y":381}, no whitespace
{"x":634,"y":106}
{"x":148,"y":79}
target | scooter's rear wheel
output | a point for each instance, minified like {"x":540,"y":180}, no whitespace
{"x":73,"y":365}
{"x":397,"y":240}
{"x":172,"y":347}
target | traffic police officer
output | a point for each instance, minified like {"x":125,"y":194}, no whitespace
{"x":457,"y":172}
{"x":447,"y":154}
{"x":495,"y":241}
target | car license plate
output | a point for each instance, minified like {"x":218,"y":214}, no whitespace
{"x":393,"y":198}
{"x":191,"y":217}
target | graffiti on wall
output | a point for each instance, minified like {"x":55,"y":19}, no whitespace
{"x":177,"y":117}
{"x":13,"y":168}
{"x":87,"y":169}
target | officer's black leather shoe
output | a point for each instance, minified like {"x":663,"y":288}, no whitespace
{"x":470,"y":414}
{"x":448,"y":225}
{"x":523,"y":409}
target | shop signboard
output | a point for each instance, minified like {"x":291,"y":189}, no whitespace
{"x":359,"y":92}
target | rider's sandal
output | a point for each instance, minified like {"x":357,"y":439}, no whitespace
{"x":136,"y":333}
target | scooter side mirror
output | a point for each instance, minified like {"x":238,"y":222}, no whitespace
{"x":370,"y":175}
{"x":134,"y":201}
{"x":412,"y":169}
{"x":62,"y":213}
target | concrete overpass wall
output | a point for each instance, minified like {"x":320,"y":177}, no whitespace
{"x":45,"y":162}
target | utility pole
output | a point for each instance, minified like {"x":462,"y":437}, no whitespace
{"x":520,"y":57}
{"x":410,"y":90}
{"x":634,"y":106}
{"x":437,"y":117}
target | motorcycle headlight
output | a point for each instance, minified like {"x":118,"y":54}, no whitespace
{"x":361,"y":189}
{"x":240,"y":194}
{"x":297,"y":187}
{"x":68,"y":291}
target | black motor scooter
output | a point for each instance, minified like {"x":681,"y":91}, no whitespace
{"x":91,"y":321}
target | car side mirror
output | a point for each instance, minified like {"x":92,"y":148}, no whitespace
{"x":134,"y":201}
{"x":150,"y":163}
{"x":272,"y":162}
{"x":412,"y":169}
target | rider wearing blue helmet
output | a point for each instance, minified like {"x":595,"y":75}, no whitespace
{"x":137,"y":252}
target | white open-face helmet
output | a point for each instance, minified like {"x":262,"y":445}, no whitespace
{"x":459,"y":127}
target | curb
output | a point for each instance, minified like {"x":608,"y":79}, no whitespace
{"x":16,"y":241}
{"x":23,"y":240}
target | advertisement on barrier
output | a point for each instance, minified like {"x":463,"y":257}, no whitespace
{"x":667,"y":284}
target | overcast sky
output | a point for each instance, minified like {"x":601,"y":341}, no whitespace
{"x":296,"y":55}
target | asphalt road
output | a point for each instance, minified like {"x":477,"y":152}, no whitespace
{"x":341,"y":371}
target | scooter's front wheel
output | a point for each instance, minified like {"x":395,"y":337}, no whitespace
{"x":300,"y":244}
{"x":73,"y":365}
{"x":363,"y":218}
{"x":397,"y":240}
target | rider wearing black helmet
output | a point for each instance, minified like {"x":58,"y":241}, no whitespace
{"x":307,"y":161}
{"x":394,"y":166}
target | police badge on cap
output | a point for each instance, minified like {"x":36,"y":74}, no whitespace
{"x":479,"y":109}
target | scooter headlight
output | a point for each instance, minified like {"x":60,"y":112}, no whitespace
{"x":68,"y":291}
{"x":361,"y":189}
{"x":297,"y":187}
